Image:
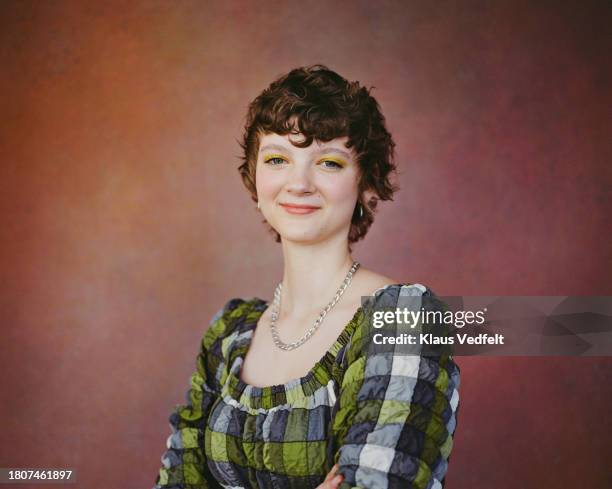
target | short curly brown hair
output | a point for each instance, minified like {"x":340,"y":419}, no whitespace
{"x":325,"y":106}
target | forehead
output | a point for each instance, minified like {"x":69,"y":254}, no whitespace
{"x":276,"y":142}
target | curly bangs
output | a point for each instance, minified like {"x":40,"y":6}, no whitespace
{"x":321,"y":105}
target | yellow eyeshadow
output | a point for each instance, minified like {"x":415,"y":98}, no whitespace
{"x":335,"y":160}
{"x":269,"y":157}
{"x":325,"y":158}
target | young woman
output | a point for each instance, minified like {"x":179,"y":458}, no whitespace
{"x":286,"y":393}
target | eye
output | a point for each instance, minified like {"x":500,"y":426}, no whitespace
{"x":274,"y":160}
{"x":331,"y":164}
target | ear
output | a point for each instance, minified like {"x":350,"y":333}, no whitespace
{"x":366,"y":196}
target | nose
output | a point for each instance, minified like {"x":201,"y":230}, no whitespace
{"x":300,"y":181}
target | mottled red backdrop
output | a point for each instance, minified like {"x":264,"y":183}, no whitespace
{"x":125,"y":225}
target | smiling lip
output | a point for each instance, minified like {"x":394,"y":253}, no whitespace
{"x":299,"y":209}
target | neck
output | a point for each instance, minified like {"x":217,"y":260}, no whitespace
{"x":312,"y":275}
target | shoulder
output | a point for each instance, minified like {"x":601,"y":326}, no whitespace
{"x":222,"y":335}
{"x":384,"y":288}
{"x":367,"y":281}
{"x":229,"y":321}
{"x":389,"y":297}
{"x":402,"y":293}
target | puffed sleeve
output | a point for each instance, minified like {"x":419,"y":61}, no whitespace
{"x":184,"y":463}
{"x":396,"y":413}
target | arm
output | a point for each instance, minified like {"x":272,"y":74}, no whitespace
{"x":184,"y":463}
{"x":396,"y":415}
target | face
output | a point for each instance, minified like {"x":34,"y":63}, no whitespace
{"x":321,"y":180}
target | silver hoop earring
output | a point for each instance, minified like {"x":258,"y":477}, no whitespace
{"x":360,"y":211}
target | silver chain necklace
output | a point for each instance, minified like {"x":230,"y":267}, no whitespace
{"x":276,"y":306}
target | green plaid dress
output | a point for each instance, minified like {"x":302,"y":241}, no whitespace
{"x":387,"y":419}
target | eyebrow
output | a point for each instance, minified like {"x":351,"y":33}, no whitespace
{"x":326,"y":149}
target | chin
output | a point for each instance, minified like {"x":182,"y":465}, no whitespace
{"x":300,"y":238}
{"x":300,"y":235}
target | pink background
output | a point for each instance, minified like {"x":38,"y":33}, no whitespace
{"x":126,"y":226}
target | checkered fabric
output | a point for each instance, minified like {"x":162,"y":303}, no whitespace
{"x":386,"y":419}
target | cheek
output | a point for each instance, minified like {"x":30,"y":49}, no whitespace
{"x":267,"y":183}
{"x":341,"y":191}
